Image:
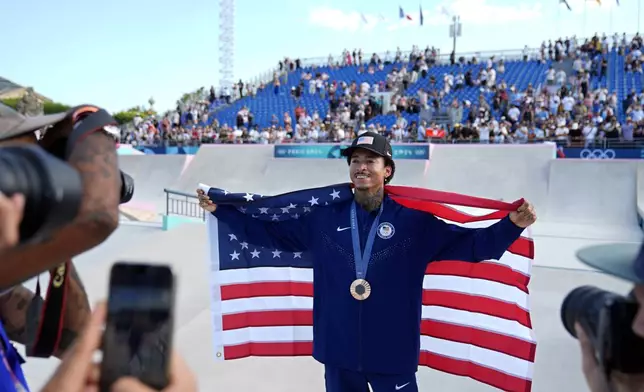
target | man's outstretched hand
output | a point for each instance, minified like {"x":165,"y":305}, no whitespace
{"x":205,"y":202}
{"x":524,"y":216}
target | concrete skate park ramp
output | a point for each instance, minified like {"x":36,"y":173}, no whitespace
{"x":234,"y":167}
{"x":497,"y":172}
{"x":579,"y":202}
{"x":151,"y":173}
{"x":593,"y":192}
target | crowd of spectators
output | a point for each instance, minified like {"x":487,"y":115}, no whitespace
{"x":564,"y":109}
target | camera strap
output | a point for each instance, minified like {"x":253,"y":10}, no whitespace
{"x":44,"y":338}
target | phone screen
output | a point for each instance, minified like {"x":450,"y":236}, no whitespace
{"x":138,"y":332}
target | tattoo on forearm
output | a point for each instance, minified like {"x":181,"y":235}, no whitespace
{"x":96,"y":155}
{"x":96,"y":160}
{"x":77,"y":309}
{"x":13,"y":312}
{"x":75,"y":277}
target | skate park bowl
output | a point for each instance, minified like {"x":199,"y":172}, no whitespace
{"x":578,"y":202}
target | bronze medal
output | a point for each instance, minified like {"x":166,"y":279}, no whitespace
{"x":360,"y":289}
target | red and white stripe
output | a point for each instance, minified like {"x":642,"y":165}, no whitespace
{"x":475,"y":317}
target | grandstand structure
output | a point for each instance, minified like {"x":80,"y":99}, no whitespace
{"x":518,"y":73}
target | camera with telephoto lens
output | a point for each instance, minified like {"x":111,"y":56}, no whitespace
{"x":53,"y":189}
{"x":607,"y":319}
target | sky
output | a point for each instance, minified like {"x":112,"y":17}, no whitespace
{"x":119,"y":53}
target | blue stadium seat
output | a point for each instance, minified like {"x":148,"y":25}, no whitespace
{"x":517,"y":73}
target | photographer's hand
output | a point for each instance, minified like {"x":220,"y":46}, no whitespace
{"x":181,"y":379}
{"x":594,"y":375}
{"x":11,"y":209}
{"x":77,"y":371}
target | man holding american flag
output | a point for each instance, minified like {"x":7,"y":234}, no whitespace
{"x":368,"y":245}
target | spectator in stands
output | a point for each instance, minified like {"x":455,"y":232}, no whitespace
{"x":455,"y":112}
{"x":570,"y":109}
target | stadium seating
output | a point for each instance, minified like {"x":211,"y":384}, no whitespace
{"x":517,"y":73}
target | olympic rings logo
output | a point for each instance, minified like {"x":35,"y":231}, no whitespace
{"x":597,"y":154}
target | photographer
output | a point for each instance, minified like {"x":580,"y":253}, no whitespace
{"x":610,"y":328}
{"x":93,"y":155}
{"x":77,"y":372}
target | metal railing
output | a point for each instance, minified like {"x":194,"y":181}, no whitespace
{"x":184,"y":204}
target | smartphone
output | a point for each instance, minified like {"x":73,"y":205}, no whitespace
{"x":137,"y":341}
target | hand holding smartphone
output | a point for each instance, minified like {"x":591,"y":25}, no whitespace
{"x":78,"y":372}
{"x":137,"y":341}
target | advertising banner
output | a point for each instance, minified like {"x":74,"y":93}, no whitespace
{"x":603,"y":153}
{"x":332,"y":151}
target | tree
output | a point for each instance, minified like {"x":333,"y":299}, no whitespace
{"x":127,"y":116}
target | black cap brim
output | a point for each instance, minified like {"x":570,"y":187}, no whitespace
{"x":618,"y":260}
{"x":347,"y":152}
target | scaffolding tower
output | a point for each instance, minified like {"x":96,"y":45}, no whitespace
{"x":226,"y":42}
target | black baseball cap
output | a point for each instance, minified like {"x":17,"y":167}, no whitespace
{"x":370,"y":141}
{"x":622,"y":260}
{"x":14,"y":124}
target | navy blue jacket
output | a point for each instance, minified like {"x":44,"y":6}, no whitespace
{"x":382,"y":333}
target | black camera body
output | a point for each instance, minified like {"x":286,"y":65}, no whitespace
{"x":607,"y":319}
{"x":53,"y":190}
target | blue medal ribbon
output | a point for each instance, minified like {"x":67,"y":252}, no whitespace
{"x":362,"y":259}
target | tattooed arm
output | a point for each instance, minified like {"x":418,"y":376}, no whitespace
{"x":95,"y":158}
{"x":13,"y":312}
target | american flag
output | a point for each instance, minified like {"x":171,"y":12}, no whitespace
{"x":475,"y":317}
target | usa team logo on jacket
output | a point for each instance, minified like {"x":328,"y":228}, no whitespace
{"x":386,"y":230}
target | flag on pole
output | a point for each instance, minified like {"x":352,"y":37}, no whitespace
{"x":420,"y":11}
{"x":263,"y":297}
{"x":566,"y":3}
{"x":364,"y":18}
{"x":402,"y":14}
